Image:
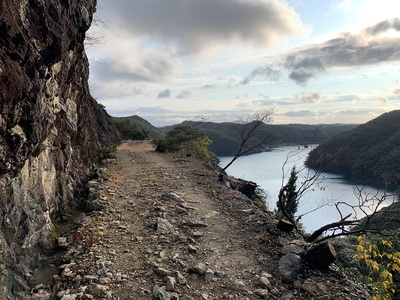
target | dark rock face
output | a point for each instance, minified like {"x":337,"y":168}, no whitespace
{"x":50,"y":126}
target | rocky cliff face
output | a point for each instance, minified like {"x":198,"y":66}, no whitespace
{"x":50,"y":126}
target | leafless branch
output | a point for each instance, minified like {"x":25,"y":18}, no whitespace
{"x":247,"y":131}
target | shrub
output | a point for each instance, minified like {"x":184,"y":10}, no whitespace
{"x":380,"y":266}
{"x":107,"y":151}
{"x":187,"y":140}
{"x":129,"y":131}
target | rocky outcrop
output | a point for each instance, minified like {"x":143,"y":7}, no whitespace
{"x":50,"y":126}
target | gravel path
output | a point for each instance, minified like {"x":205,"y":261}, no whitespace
{"x":164,"y":227}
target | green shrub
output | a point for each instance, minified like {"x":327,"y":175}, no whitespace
{"x":186,"y":140}
{"x":108,"y":151}
{"x":129,"y":131}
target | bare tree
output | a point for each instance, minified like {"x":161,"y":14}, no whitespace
{"x":94,"y":38}
{"x":363,"y":213}
{"x":251,"y":138}
{"x":357,"y":221}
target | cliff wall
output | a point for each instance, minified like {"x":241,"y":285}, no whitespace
{"x":50,"y":126}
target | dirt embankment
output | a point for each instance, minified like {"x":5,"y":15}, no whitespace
{"x":168,"y":229}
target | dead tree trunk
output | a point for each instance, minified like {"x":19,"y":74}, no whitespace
{"x":285,"y":225}
{"x":320,"y":256}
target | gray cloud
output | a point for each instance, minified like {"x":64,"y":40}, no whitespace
{"x":310,"y":97}
{"x":157,"y":65}
{"x":164,"y":94}
{"x":184,"y":95}
{"x":208,"y":87}
{"x":265,"y":72}
{"x":300,"y":113}
{"x":194,"y":25}
{"x":303,"y":68}
{"x":370,"y":46}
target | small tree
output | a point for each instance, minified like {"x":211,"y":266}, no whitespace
{"x":288,"y":200}
{"x":251,"y":138}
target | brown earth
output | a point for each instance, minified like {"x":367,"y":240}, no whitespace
{"x":171,"y":230}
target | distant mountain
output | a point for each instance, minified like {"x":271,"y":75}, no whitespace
{"x":371,"y":150}
{"x":142,"y":124}
{"x":226,"y":139}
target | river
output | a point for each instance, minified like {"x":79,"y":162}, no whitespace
{"x":266,"y":169}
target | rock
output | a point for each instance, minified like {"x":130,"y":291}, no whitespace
{"x":220,"y":273}
{"x":94,"y":205}
{"x":160,"y":293}
{"x":291,"y":248}
{"x":197,"y":234}
{"x":41,"y":296}
{"x":289,"y":267}
{"x":211,"y":215}
{"x":264,"y":294}
{"x":313,"y":287}
{"x":100,"y":290}
{"x":195,"y":223}
{"x":324,"y":297}
{"x":161,"y":272}
{"x":163,"y":225}
{"x":175,"y":197}
{"x":170,"y":283}
{"x":199,"y":269}
{"x":208,"y":275}
{"x":263,"y":283}
{"x":192,"y":248}
{"x":62,"y":242}
{"x":104,"y":280}
{"x":239,"y":286}
{"x":181,"y":279}
{"x":69,"y":297}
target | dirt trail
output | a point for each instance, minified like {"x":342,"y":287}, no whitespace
{"x":165,"y":228}
{"x":203,"y":229}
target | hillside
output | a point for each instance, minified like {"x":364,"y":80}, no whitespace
{"x":142,"y":125}
{"x":226,"y":139}
{"x":370,"y":151}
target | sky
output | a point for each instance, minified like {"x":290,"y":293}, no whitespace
{"x":312,"y":61}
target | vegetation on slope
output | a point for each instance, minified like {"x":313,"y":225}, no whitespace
{"x":186,"y":140}
{"x":136,"y":126}
{"x":226,"y":138}
{"x":371,"y":150}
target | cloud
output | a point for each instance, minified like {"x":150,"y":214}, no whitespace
{"x":310,"y":97}
{"x":155,"y":66}
{"x":396,"y":89}
{"x":300,"y":113}
{"x":375,"y":44}
{"x":208,"y":86}
{"x":164,"y":94}
{"x":184,"y":95}
{"x":303,"y":68}
{"x":265,"y":72}
{"x":194,"y":26}
{"x":369,"y":46}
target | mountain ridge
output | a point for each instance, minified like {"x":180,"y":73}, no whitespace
{"x":371,"y":150}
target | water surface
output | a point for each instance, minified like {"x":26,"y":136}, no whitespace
{"x":267,"y":170}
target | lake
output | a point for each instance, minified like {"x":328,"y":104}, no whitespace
{"x":266,"y":169}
